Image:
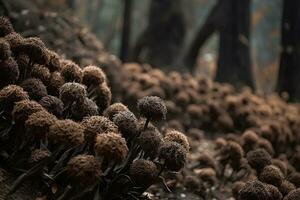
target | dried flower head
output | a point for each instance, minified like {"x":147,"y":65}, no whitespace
{"x":249,"y":139}
{"x":38,"y":155}
{"x":23,"y":109}
{"x":97,"y":125}
{"x":93,"y":75}
{"x":232,"y":153}
{"x":35,"y":88}
{"x":14,"y":39}
{"x":293,"y":195}
{"x":9,"y":72}
{"x":173,"y":154}
{"x":143,"y":172}
{"x":274,"y":193}
{"x":111,"y":146}
{"x":66,"y":133}
{"x":38,"y":123}
{"x":53,"y":105}
{"x":258,"y":159}
{"x":70,"y":71}
{"x":5,"y":26}
{"x":294,"y":178}
{"x":281,"y":165}
{"x":236,"y":188}
{"x":253,"y":190}
{"x":54,"y":83}
{"x":102,"y":97}
{"x":114,"y":109}
{"x":152,"y":108}
{"x":127,"y":123}
{"x":84,"y":170}
{"x":176,"y":136}
{"x":286,"y":187}
{"x":271,"y":175}
{"x":72,"y":92}
{"x":266,"y":145}
{"x":5,"y":52}
{"x":79,"y":110}
{"x":150,"y":141}
{"x":40,"y":72}
{"x":54,"y":61}
{"x":11,"y":94}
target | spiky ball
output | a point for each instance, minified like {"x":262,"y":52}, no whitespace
{"x":127,"y":123}
{"x":5,"y":26}
{"x":152,"y":108}
{"x":54,"y":84}
{"x":102,"y":97}
{"x":71,"y":72}
{"x":293,"y":195}
{"x":35,"y":88}
{"x":150,"y":141}
{"x":271,"y":175}
{"x":9,"y":72}
{"x":93,"y":75}
{"x":258,"y":159}
{"x":176,"y":136}
{"x":72,"y":92}
{"x":113,"y":109}
{"x":40,"y":72}
{"x":254,"y":190}
{"x":79,"y":110}
{"x":274,"y":193}
{"x":38,"y":155}
{"x":53,"y":105}
{"x":5,"y":52}
{"x":23,"y":109}
{"x":143,"y":172}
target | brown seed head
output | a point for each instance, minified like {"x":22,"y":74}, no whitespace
{"x":93,"y":75}
{"x":5,"y":26}
{"x":70,"y":71}
{"x":23,"y":109}
{"x":114,"y":109}
{"x":150,"y":141}
{"x":11,"y":94}
{"x":271,"y":175}
{"x":41,"y":73}
{"x":9,"y":72}
{"x":53,"y":105}
{"x":286,"y":187}
{"x":87,"y":108}
{"x":55,"y":82}
{"x":176,"y":136}
{"x":127,"y":123}
{"x":274,"y":193}
{"x":152,"y":107}
{"x":102,"y":97}
{"x":35,"y":88}
{"x":143,"y":172}
{"x":253,"y":190}
{"x":293,"y":195}
{"x":5,"y":51}
{"x":72,"y":92}
{"x":38,"y":155}
{"x":258,"y":159}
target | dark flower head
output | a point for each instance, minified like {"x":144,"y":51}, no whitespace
{"x":11,"y":94}
{"x":173,"y":154}
{"x":271,"y":175}
{"x":55,"y":82}
{"x":5,"y":51}
{"x":176,"y":136}
{"x":9,"y":72}
{"x":35,"y":88}
{"x":281,"y":165}
{"x":237,"y":186}
{"x":232,"y":153}
{"x":102,"y":97}
{"x":38,"y":123}
{"x":114,"y":109}
{"x":152,"y":108}
{"x":150,"y":141}
{"x":54,"y":62}
{"x":53,"y":105}
{"x":67,"y":133}
{"x":38,"y":155}
{"x":5,"y":26}
{"x":93,"y":75}
{"x":111,"y":146}
{"x":97,"y":125}
{"x":14,"y":39}
{"x":40,"y":72}
{"x":286,"y":187}
{"x":79,"y":110}
{"x":293,"y":195}
{"x":71,"y":72}
{"x":23,"y":109}
{"x":258,"y":159}
{"x":84,"y":170}
{"x":72,"y":92}
{"x":143,"y":172}
{"x":127,"y":123}
{"x":266,"y":145}
{"x":253,"y":190}
{"x":294,"y":178}
{"x":274,"y":193}
{"x":250,"y":139}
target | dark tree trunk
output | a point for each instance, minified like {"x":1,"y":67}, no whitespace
{"x":125,"y":44}
{"x":162,"y":41}
{"x":289,"y":71}
{"x":234,"y":65}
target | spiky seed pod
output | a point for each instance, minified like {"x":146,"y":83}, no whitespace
{"x":67,"y":133}
{"x":79,"y":110}
{"x":249,"y":139}
{"x":14,"y":39}
{"x":23,"y":109}
{"x":54,"y":62}
{"x":232,"y":153}
{"x":93,"y":75}
{"x":53,"y":105}
{"x":173,"y":154}
{"x":293,"y":195}
{"x":9,"y":72}
{"x":150,"y":141}
{"x":41,"y":73}
{"x":38,"y":155}
{"x":84,"y":170}
{"x":286,"y":187}
{"x":111,"y":146}
{"x":258,"y":159}
{"x":207,"y":175}
{"x":113,"y":109}
{"x":281,"y":165}
{"x":236,"y":188}
{"x":97,"y":125}
{"x":11,"y":94}
{"x":38,"y":123}
{"x":35,"y":88}
{"x":152,"y":108}
{"x":5,"y":51}
{"x":143,"y":172}
{"x":294,"y":178}
{"x":127,"y":123}
{"x":102,"y":97}
{"x":274,"y":193}
{"x":71,"y":72}
{"x":176,"y":136}
{"x":266,"y":145}
{"x":253,"y":190}
{"x":5,"y":26}
{"x":55,"y":82}
{"x":271,"y":175}
{"x":72,"y":92}
{"x":35,"y":49}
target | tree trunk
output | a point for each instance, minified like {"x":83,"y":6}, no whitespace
{"x":125,"y":45}
{"x":289,"y":70}
{"x":234,"y":65}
